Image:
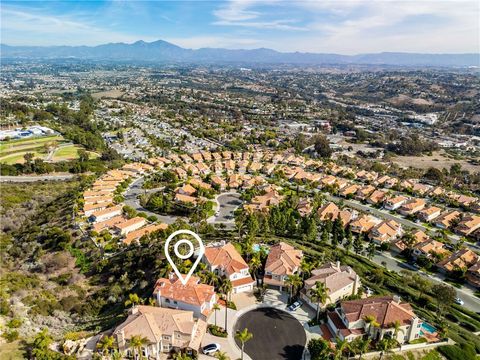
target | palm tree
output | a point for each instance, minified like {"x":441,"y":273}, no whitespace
{"x":116,"y":355}
{"x":216,"y":307}
{"x":306,"y":268}
{"x":364,"y":345}
{"x":340,"y":347}
{"x":255,"y":264}
{"x":133,"y":299}
{"x":220,"y":355}
{"x":293,"y":282}
{"x":384,"y":345}
{"x":136,"y":342}
{"x":226,"y":289}
{"x":319,"y":293}
{"x":397,"y":327}
{"x":105,"y":344}
{"x":243,"y":336}
{"x":371,"y":321}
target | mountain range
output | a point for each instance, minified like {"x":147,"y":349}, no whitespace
{"x":163,"y":51}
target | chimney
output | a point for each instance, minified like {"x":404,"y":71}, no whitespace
{"x":397,"y":299}
{"x":338,"y":264}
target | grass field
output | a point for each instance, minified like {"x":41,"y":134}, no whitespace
{"x":18,"y":157}
{"x":13,"y":151}
{"x":12,"y":145}
{"x":70,"y":152}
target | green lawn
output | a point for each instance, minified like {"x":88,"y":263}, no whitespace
{"x":70,"y":152}
{"x":30,"y":142}
{"x":17,"y":157}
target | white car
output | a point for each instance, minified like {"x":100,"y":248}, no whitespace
{"x":211,"y":349}
{"x":295,"y":305}
{"x":459,"y":301}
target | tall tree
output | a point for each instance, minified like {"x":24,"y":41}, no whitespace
{"x":243,"y":336}
{"x":319,"y":294}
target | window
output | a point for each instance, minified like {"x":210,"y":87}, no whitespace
{"x":167,"y":301}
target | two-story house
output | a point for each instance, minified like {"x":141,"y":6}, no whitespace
{"x":283,"y":260}
{"x":166,"y":330}
{"x":193,"y":296}
{"x":226,"y":261}
{"x":350,"y":319}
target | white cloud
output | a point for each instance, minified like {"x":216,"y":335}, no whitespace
{"x":20,"y":27}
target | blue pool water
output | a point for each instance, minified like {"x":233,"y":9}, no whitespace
{"x":256,"y":247}
{"x":428,"y":328}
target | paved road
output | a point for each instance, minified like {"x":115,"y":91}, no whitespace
{"x":227,"y":203}
{"x":132,"y":199}
{"x":385,"y":214}
{"x":276,"y":335}
{"x":33,"y":178}
{"x":465,"y":293}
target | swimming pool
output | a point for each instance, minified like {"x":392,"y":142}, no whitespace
{"x":428,"y":328}
{"x":256,"y":247}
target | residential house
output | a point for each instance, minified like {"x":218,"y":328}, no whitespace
{"x":376,"y":197}
{"x":193,"y":296}
{"x":461,"y":259}
{"x":226,"y":261}
{"x":429,"y":213}
{"x":473,"y":274}
{"x":386,"y":231}
{"x":137,"y":234}
{"x":185,"y":199}
{"x":340,"y":280}
{"x":304,"y":207}
{"x":348,"y":320}
{"x":283,"y":260}
{"x":412,"y":206}
{"x":364,"y":223}
{"x":328,"y":211}
{"x":429,"y":248}
{"x":468,"y":225}
{"x":130,"y":225}
{"x":165,"y":329}
{"x":105,"y":214}
{"x":364,"y":192}
{"x":186,"y":189}
{"x":395,"y":202}
{"x":418,"y":236}
{"x":218,"y":182}
{"x":263,"y":202}
{"x":446,"y":219}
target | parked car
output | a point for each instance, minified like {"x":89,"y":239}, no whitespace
{"x":295,"y":305}
{"x":211,"y":349}
{"x":459,"y":301}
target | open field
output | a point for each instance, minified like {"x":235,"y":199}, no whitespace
{"x":108,"y":94}
{"x":437,"y":160}
{"x":18,"y":157}
{"x":13,"y":151}
{"x":14,"y":145}
{"x":70,"y":152}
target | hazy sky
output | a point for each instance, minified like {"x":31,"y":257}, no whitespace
{"x":337,"y":26}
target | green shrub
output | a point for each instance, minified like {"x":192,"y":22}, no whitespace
{"x":217,"y":331}
{"x":14,"y":323}
{"x":10,"y":335}
{"x":455,"y":352}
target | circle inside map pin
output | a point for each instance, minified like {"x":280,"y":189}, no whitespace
{"x":177,"y":250}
